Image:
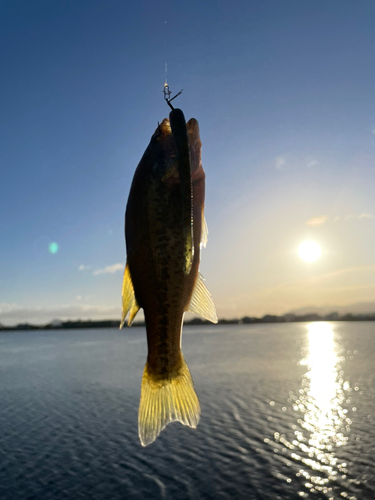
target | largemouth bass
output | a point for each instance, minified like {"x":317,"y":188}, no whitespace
{"x":164,"y":231}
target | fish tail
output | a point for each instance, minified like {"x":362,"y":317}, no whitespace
{"x":165,"y":401}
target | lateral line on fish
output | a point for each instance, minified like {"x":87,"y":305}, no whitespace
{"x":180,"y":136}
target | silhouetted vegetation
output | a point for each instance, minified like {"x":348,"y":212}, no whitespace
{"x":246,"y":320}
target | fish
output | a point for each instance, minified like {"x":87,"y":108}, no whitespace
{"x":165,"y":229}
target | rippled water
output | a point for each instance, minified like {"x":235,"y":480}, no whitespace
{"x":288,"y":411}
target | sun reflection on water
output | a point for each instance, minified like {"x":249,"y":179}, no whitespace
{"x":323,"y":395}
{"x":321,"y":401}
{"x":323,"y":423}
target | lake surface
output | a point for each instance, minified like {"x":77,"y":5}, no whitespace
{"x":288,"y":412}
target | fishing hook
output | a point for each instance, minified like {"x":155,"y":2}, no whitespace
{"x":167,"y":94}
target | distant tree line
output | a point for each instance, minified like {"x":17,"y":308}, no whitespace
{"x":246,"y":320}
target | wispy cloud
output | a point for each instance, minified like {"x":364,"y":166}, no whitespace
{"x":320,"y":220}
{"x":363,"y":215}
{"x":11,"y":313}
{"x":293,"y":163}
{"x":6,"y":307}
{"x":341,"y":287}
{"x":310,"y":163}
{"x":321,"y":280}
{"x":317,"y":221}
{"x":109,"y":269}
{"x":344,"y":271}
{"x":279,"y":162}
{"x":83,"y":268}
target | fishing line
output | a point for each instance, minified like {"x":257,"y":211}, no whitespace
{"x":165,"y":44}
{"x":166,"y":91}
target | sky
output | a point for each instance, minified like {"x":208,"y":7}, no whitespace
{"x":284,"y":95}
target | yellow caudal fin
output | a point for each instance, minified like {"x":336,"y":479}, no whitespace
{"x":129,"y":302}
{"x":165,"y":401}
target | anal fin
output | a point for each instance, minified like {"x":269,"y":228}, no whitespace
{"x":201,"y":301}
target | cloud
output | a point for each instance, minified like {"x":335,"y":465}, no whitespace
{"x":12,"y":313}
{"x":83,"y":268}
{"x":363,"y":215}
{"x":336,"y":279}
{"x":109,"y":269}
{"x":279,"y":162}
{"x":345,"y":271}
{"x":340,"y":287}
{"x":6,"y":307}
{"x":317,"y":221}
{"x":311,"y":163}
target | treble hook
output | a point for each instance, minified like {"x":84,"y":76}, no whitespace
{"x":167,"y":94}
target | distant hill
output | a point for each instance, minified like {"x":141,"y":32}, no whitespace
{"x":358,"y":308}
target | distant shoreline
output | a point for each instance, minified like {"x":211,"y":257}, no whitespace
{"x":246,"y":320}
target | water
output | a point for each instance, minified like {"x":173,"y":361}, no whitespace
{"x":288,"y":412}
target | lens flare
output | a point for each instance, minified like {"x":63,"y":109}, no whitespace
{"x":53,"y":248}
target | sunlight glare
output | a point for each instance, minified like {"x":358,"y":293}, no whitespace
{"x":324,"y":417}
{"x":309,"y":251}
{"x":322,"y":362}
{"x":323,"y":423}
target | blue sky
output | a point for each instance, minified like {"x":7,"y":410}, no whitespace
{"x":284,"y":95}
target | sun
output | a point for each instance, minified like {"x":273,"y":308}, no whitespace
{"x":309,"y":251}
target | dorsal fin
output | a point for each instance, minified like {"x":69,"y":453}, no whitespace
{"x":129,"y":302}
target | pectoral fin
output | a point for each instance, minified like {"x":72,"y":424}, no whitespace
{"x":201,"y":301}
{"x":129,"y":302}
